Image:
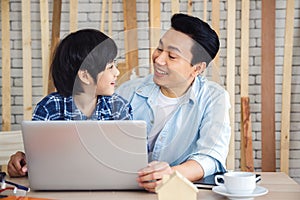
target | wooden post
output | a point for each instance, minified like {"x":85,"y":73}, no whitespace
{"x":130,"y":36}
{"x":190,"y":7}
{"x":286,"y":87}
{"x":73,"y":15}
{"x":268,"y":85}
{"x":216,"y":27}
{"x":154,"y":27}
{"x":246,"y":140}
{"x":205,"y":10}
{"x":55,"y":37}
{"x":175,"y":6}
{"x":231,"y":78}
{"x":6,"y":84}
{"x":245,"y":48}
{"x":44,"y":12}
{"x":110,"y":18}
{"x":27,"y":67}
{"x":103,"y":11}
{"x":246,"y":131}
{"x":124,"y":73}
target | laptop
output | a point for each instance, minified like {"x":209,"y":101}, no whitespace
{"x":84,"y":155}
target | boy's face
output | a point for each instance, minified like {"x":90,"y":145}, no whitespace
{"x":106,"y":80}
{"x":172,"y":62}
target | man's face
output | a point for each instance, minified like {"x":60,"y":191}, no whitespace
{"x":172,"y":62}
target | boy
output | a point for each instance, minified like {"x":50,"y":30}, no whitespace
{"x":84,"y":74}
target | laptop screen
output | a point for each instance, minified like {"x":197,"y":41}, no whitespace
{"x":84,"y":155}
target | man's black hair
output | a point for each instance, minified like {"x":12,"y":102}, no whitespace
{"x":86,"y":49}
{"x":207,"y":41}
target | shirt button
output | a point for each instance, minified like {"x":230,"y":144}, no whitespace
{"x":151,"y":121}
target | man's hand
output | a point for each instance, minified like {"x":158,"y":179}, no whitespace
{"x":17,"y":166}
{"x":151,"y":176}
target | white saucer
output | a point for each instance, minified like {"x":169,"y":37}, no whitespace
{"x":257,"y":192}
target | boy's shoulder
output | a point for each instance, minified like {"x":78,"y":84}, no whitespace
{"x":53,"y":97}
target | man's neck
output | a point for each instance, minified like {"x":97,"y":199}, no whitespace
{"x":174,"y":92}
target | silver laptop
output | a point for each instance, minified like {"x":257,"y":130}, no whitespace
{"x":84,"y":155}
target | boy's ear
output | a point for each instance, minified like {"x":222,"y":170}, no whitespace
{"x":199,"y":68}
{"x":84,"y":76}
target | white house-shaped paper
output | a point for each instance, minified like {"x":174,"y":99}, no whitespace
{"x":176,"y":186}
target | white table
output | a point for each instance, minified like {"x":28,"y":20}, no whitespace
{"x":280,"y":186}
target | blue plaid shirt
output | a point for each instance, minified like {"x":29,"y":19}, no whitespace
{"x":57,"y":107}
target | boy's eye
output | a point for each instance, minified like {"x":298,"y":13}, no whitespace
{"x":115,"y":63}
{"x":112,"y":64}
{"x":109,"y":66}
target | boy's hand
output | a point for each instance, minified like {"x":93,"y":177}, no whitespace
{"x":17,"y":165}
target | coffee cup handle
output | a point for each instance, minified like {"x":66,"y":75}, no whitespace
{"x":217,"y":177}
{"x":258,"y":179}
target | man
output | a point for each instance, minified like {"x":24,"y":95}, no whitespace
{"x":187,"y":116}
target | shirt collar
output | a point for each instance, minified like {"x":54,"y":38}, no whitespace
{"x":149,"y":88}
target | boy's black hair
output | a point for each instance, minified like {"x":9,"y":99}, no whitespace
{"x":86,"y":49}
{"x":207,"y":41}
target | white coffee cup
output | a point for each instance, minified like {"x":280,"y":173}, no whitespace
{"x":237,"y":182}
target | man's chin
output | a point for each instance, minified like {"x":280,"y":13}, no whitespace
{"x":161,"y":84}
{"x":158,"y":81}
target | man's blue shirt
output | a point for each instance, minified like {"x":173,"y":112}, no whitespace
{"x":198,"y":130}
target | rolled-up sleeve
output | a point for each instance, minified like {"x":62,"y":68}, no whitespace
{"x":215,"y":132}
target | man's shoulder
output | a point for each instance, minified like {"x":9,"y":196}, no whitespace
{"x":137,"y":81}
{"x":211,"y":85}
{"x":204,"y":88}
{"x":116,"y":98}
{"x":127,"y":89}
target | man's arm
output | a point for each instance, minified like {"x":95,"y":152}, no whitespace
{"x":151,"y":176}
{"x":190,"y":169}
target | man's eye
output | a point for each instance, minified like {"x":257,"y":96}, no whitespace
{"x":172,"y":56}
{"x":159,"y":49}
